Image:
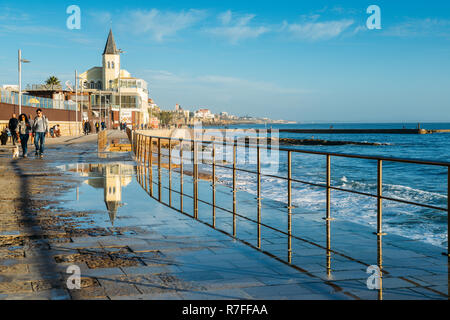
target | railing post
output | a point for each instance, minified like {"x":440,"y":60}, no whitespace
{"x":328,"y":218}
{"x":258,"y":164}
{"x":145,"y":151}
{"x":448,"y":228}
{"x":289,"y":167}
{"x":141,"y":153}
{"x":150,"y":166}
{"x":181,"y":175}
{"x":380,"y":233}
{"x":195,"y":177}
{"x":159,"y":169}
{"x":213,"y":184}
{"x":140,"y":147}
{"x":170,"y":172}
{"x":144,"y":165}
{"x":138,"y":137}
{"x":234,"y":186}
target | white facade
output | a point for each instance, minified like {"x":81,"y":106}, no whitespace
{"x":103,"y":82}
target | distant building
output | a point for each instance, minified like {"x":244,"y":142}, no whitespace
{"x":178,"y":108}
{"x":154,"y":123}
{"x":204,"y":114}
{"x":11,"y":87}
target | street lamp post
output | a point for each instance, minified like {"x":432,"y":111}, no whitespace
{"x":76,"y":102}
{"x":120,"y":51}
{"x":100,"y":108}
{"x":107,"y":105}
{"x":20,"y":60}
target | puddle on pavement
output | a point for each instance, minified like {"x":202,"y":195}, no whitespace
{"x":109,"y":191}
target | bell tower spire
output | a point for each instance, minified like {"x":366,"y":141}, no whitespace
{"x":111,"y":63}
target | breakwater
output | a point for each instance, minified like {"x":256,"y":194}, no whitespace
{"x":364,"y":131}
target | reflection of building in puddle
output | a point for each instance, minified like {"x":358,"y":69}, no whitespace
{"x":109,"y":177}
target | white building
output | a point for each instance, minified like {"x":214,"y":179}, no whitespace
{"x":131,"y":97}
{"x":204,"y":114}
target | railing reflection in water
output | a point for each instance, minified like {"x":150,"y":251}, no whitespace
{"x":147,"y":148}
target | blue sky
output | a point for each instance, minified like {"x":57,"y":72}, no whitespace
{"x":296,"y":60}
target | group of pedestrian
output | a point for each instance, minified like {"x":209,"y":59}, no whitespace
{"x":25,"y":128}
{"x":87,"y":129}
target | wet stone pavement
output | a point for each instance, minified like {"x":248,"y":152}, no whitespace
{"x":78,"y":207}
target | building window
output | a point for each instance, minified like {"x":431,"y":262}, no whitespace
{"x":92,"y":85}
{"x":109,"y":65}
{"x":112,"y":65}
{"x":99,"y":85}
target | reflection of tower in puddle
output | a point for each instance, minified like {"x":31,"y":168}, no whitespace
{"x":111,"y":178}
{"x":114,"y":180}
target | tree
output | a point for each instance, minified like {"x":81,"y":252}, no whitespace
{"x":165,"y":117}
{"x":52,"y":81}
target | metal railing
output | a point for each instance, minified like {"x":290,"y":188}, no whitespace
{"x":143,"y":147}
{"x":11,"y":97}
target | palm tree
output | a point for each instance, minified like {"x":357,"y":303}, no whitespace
{"x":52,"y":81}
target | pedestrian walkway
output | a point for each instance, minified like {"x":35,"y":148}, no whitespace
{"x":55,"y":217}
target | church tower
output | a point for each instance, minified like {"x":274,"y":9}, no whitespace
{"x":111,"y":63}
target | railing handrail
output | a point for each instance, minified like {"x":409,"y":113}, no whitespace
{"x":143,"y":149}
{"x":333,"y":154}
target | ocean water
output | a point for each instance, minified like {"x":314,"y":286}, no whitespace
{"x":411,"y":182}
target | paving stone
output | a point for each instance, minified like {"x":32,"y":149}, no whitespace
{"x":402,"y":294}
{"x":102,"y":272}
{"x":150,"y":297}
{"x":276,"y":292}
{"x":118,"y":287}
{"x":224,"y":294}
{"x":92,"y":293}
{"x":395,"y":283}
{"x":130,"y":271}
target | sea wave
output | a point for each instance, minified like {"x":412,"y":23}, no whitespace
{"x":413,"y":222}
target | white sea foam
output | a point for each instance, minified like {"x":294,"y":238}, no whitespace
{"x":411,"y":223}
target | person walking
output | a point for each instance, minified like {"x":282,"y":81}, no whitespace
{"x":89,"y":128}
{"x":40,"y":129}
{"x":97,"y":127}
{"x":24,"y":129}
{"x":12,"y":125}
{"x":31,"y":121}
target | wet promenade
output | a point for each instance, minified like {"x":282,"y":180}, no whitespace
{"x":97,"y":212}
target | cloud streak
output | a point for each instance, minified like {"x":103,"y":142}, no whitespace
{"x":161,"y":25}
{"x":420,"y":27}
{"x":236,"y":29}
{"x":316,"y":31}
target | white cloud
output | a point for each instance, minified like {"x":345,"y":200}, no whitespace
{"x":238,"y":28}
{"x":420,"y":27}
{"x":7,"y":13}
{"x":161,"y":25}
{"x":315,"y":30}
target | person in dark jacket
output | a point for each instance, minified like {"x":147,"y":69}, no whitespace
{"x":24,"y":129}
{"x":12,"y":125}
